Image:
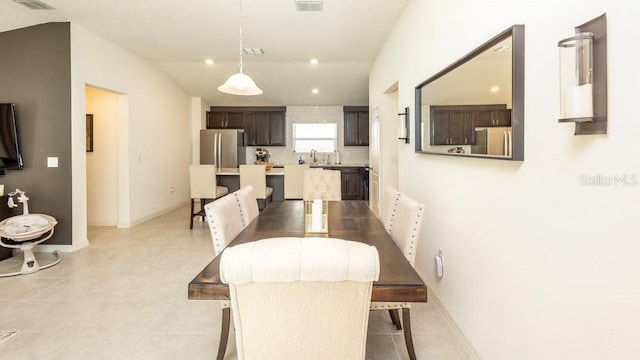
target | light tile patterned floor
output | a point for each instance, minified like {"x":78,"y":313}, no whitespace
{"x":125,"y":297}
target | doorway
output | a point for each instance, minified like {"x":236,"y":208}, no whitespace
{"x":103,"y":110}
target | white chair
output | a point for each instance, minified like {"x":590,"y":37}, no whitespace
{"x":389,"y":205}
{"x":202,"y":180}
{"x":326,"y":181}
{"x":256,"y":176}
{"x":248,"y":204}
{"x":225,"y":223}
{"x":294,"y":181}
{"x":283,"y":289}
{"x":404,"y":228}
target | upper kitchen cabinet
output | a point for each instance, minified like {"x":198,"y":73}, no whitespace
{"x":266,"y":128}
{"x":356,"y":126}
{"x":225,"y":120}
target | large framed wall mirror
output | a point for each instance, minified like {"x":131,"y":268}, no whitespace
{"x":475,"y":106}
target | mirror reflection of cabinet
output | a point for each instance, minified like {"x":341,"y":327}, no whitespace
{"x":484,"y":89}
{"x":493,"y":117}
{"x":451,"y":126}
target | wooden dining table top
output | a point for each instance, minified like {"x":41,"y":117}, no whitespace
{"x":349,"y":220}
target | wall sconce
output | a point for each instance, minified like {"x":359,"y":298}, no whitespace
{"x":403,"y":125}
{"x":583,"y":78}
{"x":576,"y":78}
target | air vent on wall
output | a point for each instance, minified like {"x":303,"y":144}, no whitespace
{"x":35,"y":4}
{"x":308,"y":5}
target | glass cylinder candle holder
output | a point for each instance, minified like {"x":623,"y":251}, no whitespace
{"x":316,"y":214}
{"x":576,"y":78}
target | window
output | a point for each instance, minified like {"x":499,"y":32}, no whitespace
{"x":320,"y":137}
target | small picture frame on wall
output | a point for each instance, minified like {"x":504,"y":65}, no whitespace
{"x":89,"y":132}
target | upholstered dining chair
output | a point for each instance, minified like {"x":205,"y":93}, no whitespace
{"x":389,"y":205}
{"x":294,"y":180}
{"x":256,"y":176}
{"x":326,"y":181}
{"x":404,"y":229}
{"x":225,"y":223}
{"x":283,"y":288}
{"x":203,"y":186}
{"x":248,"y":204}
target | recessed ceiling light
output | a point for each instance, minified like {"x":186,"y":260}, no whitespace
{"x":208,"y":61}
{"x":495,"y":89}
{"x":315,"y":91}
{"x":313,"y":61}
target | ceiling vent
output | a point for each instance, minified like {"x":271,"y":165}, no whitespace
{"x":308,"y":5}
{"x":35,"y":4}
{"x":253,"y":51}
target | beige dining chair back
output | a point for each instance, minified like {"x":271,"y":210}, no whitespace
{"x":283,"y":288}
{"x":325,"y":181}
{"x":389,"y":206}
{"x":203,"y":186}
{"x":256,"y":176}
{"x":404,"y":224}
{"x":248,"y":204}
{"x":294,"y":180}
{"x":225,"y":223}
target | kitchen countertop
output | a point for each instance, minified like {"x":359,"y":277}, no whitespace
{"x":236,"y":171}
{"x":279,"y":169}
{"x":330,"y":165}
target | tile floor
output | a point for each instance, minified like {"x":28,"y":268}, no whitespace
{"x":125,"y":297}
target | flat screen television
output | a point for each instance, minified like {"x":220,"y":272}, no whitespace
{"x":10,"y":156}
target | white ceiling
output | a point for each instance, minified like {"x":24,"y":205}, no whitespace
{"x":178,"y":35}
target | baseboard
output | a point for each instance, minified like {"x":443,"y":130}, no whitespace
{"x":62,"y":248}
{"x":152,"y":216}
{"x":466,"y":345}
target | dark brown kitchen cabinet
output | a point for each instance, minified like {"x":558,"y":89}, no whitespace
{"x":225,"y":120}
{"x":265,"y":128}
{"x":264,"y":125}
{"x":352,"y":182}
{"x":356,"y":126}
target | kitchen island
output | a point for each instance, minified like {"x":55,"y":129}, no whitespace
{"x":354,"y":180}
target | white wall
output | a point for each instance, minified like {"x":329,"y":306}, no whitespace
{"x":155,"y":138}
{"x":199,"y":109}
{"x":102,"y":163}
{"x":538,"y":266}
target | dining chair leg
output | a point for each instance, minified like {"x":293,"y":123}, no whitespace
{"x":406,"y":320}
{"x":191,"y":215}
{"x":202,"y":203}
{"x":395,"y":318}
{"x":224,"y":332}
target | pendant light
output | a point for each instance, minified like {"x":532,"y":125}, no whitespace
{"x":240,"y":83}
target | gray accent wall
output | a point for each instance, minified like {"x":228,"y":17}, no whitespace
{"x":35,"y":74}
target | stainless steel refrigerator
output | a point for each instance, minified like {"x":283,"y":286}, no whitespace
{"x":222,"y":147}
{"x":492,"y":141}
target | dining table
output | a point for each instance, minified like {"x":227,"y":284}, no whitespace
{"x":349,"y":220}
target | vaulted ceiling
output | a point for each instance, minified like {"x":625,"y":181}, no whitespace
{"x":178,"y":36}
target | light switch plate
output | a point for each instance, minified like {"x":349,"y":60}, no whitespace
{"x":52,"y":162}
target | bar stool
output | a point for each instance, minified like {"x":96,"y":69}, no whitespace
{"x":256,"y":176}
{"x":202,"y":179}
